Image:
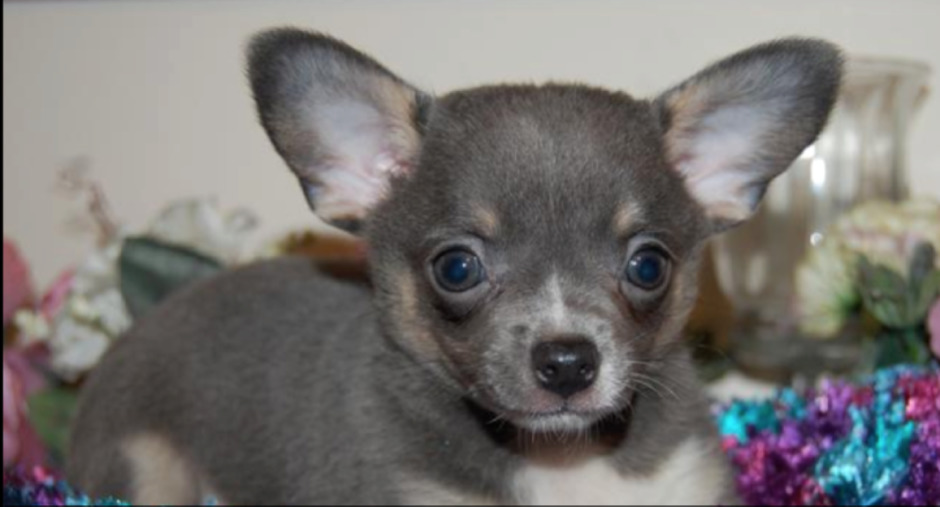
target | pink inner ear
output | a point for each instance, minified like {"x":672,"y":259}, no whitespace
{"x":715,"y":155}
{"x":350,"y":191}
{"x":364,"y":159}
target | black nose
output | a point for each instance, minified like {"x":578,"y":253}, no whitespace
{"x":565,"y":367}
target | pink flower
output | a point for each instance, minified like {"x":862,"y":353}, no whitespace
{"x":21,"y":445}
{"x":933,"y":327}
{"x":23,"y":363}
{"x":17,"y":286}
{"x":57,"y":294}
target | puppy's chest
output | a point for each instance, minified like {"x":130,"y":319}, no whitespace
{"x":684,"y":478}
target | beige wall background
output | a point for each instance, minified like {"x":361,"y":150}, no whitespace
{"x":152,"y":93}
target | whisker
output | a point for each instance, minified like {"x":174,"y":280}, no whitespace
{"x":652,"y":383}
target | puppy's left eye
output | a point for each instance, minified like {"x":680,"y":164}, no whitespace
{"x":458,"y":270}
{"x":648,"y":268}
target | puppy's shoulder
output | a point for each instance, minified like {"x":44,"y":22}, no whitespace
{"x":282,"y":283}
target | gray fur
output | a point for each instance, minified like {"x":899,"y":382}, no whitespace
{"x":281,"y":385}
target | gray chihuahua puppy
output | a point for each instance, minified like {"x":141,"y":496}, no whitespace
{"x":533,"y":253}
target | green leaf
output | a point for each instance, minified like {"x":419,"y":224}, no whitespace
{"x":885,"y":294}
{"x":907,"y":346}
{"x":50,"y":413}
{"x":922,"y":261}
{"x":151,"y":270}
{"x":897,"y":301}
{"x":924,"y":279}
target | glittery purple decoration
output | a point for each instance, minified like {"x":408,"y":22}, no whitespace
{"x":41,"y":486}
{"x":923,"y":480}
{"x":871,"y":443}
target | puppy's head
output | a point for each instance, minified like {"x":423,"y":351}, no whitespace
{"x":536,"y":246}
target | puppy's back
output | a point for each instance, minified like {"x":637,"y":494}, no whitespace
{"x":241,"y":353}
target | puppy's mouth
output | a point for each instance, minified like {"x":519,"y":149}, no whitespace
{"x":538,"y":411}
{"x":565,"y":419}
{"x":562,"y":421}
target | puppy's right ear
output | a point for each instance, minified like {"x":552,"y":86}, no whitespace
{"x":343,"y":123}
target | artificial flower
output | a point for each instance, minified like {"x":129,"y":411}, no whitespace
{"x":92,"y":316}
{"x":35,"y":324}
{"x":826,"y":288}
{"x":26,"y":363}
{"x":21,"y":445}
{"x":17,"y":286}
{"x":900,"y":300}
{"x":886,"y":237}
{"x":81,"y":314}
{"x":56,"y":296}
{"x":887,"y":233}
{"x":198,"y":224}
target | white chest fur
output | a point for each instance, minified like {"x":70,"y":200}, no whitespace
{"x":687,"y":477}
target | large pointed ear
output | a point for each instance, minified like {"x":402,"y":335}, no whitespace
{"x":733,"y":127}
{"x":343,"y":123}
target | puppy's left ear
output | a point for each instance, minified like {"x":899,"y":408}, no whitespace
{"x":733,"y":127}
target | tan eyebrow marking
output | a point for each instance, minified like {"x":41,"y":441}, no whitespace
{"x":486,"y":220}
{"x":625,"y":217}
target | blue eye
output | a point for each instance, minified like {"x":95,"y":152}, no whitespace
{"x":648,"y":269}
{"x":458,"y":270}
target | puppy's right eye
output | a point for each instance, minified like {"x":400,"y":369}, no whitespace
{"x":648,"y":269}
{"x":458,"y":270}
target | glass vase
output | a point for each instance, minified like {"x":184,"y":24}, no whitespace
{"x":860,"y":155}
